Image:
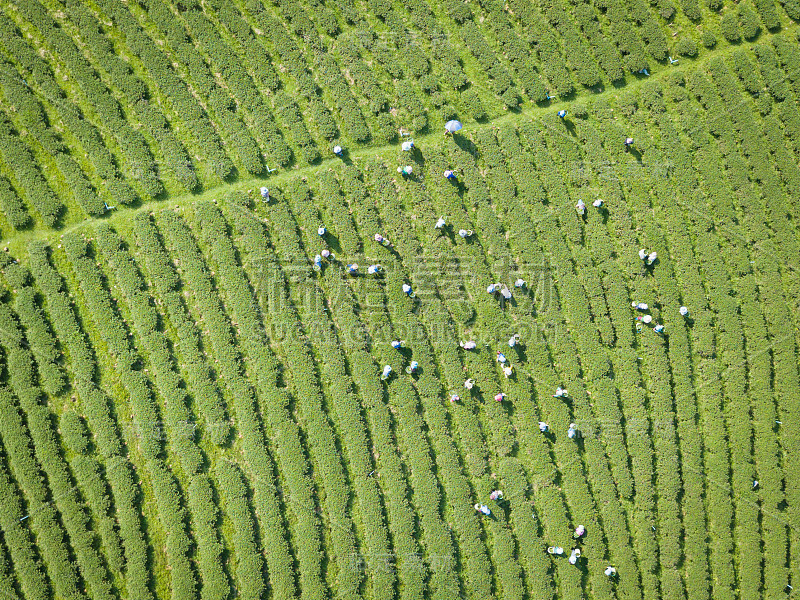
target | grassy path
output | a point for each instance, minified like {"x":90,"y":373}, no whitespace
{"x":121,"y":216}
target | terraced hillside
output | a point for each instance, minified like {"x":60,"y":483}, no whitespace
{"x":190,"y":410}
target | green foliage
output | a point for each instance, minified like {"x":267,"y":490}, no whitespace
{"x":771,"y":72}
{"x":208,"y":303}
{"x":411,"y":107}
{"x":349,"y":111}
{"x":691,"y":9}
{"x":27,"y":178}
{"x":166,"y":282}
{"x":792,"y":8}
{"x":708,"y":39}
{"x":190,"y":409}
{"x":748,"y":20}
{"x":769,"y":16}
{"x":105,"y":107}
{"x":115,"y":334}
{"x":13,"y":208}
{"x":146,"y":321}
{"x":729,"y":26}
{"x":686,"y":46}
{"x":169,"y":83}
{"x":136,"y":92}
{"x":74,"y":432}
{"x":183,"y":582}
{"x":205,"y":517}
{"x":27,"y":561}
{"x":249,"y":562}
{"x":125,"y":500}
{"x":747,"y":72}
{"x":473,"y":104}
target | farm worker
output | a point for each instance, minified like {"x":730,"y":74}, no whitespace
{"x":610,"y":571}
{"x":572,"y":432}
{"x":512,"y":341}
{"x":317,"y":262}
{"x":562,"y":113}
{"x":659,"y":328}
{"x":397,"y":344}
{"x":508,"y":371}
{"x":482,"y":508}
{"x":519,"y":283}
{"x":408,"y":145}
{"x":469,"y":383}
{"x":373,"y":269}
{"x":755,"y":483}
{"x":264,"y":193}
{"x":501,"y":358}
{"x":645,"y":319}
{"x":643,"y":254}
{"x":496,"y":495}
{"x":452,"y":126}
{"x":576,"y":554}
{"x":406,"y":171}
{"x":412,"y":368}
{"x":454,"y":397}
{"x":408,"y":291}
{"x":628,"y":143}
{"x":651,"y":258}
{"x":440,"y":223}
{"x":353,"y":269}
{"x":321,"y":230}
{"x":543,"y":427}
{"x":470,"y":345}
{"x":500,"y":397}
{"x":684,"y":311}
{"x":560,"y":393}
{"x":387,"y":370}
{"x":380,"y":239}
{"x":581,"y":207}
{"x":491,"y":288}
{"x":597,"y":203}
{"x":639,"y":305}
{"x":337,"y":150}
{"x":465,"y":233}
{"x":328,"y":255}
{"x":506,"y":293}
{"x":557,"y":550}
{"x":448,"y":174}
{"x":672,"y":61}
{"x":579,"y":531}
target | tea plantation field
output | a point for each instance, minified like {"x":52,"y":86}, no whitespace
{"x":192,"y":409}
